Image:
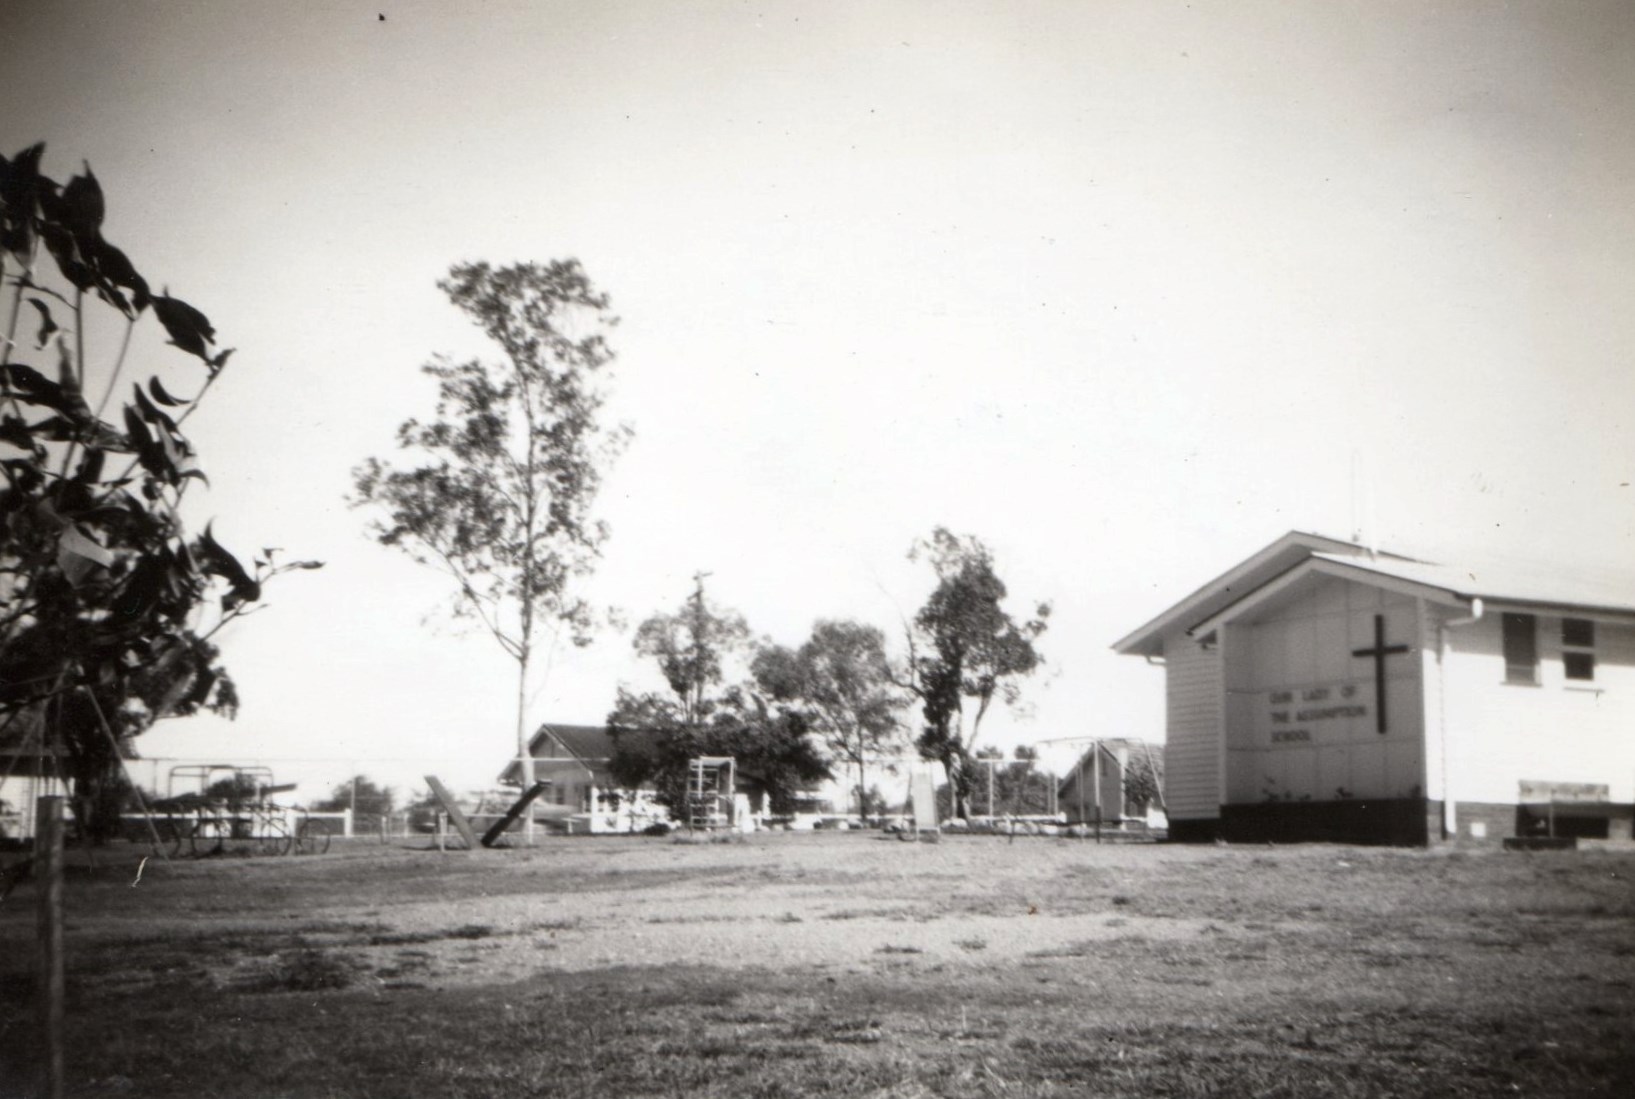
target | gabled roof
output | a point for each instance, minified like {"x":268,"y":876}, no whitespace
{"x":584,"y":742}
{"x":1512,"y":583}
{"x":1230,"y":586}
{"x":591,"y":745}
{"x":1297,"y":554}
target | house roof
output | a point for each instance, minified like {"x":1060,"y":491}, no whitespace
{"x":1230,"y":586}
{"x":589,"y":744}
{"x":584,"y":742}
{"x":1503,"y":583}
{"x":1511,"y":582}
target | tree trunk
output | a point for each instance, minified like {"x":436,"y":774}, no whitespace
{"x":959,"y":784}
{"x":525,"y":757}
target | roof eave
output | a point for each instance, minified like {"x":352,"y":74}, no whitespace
{"x":1148,"y":639}
{"x":1338,"y":569}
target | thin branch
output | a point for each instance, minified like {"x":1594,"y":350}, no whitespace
{"x":119,"y":365}
{"x":113,"y":742}
{"x":512,"y":648}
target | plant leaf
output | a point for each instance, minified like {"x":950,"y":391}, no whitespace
{"x":74,"y":546}
{"x":116,"y":269}
{"x":218,"y":562}
{"x":48,"y":325}
{"x":162,"y":395}
{"x":35,"y":388}
{"x":83,"y":205}
{"x":189,"y":329}
{"x":151,"y":412}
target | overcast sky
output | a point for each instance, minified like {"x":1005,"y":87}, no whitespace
{"x":1128,"y":290}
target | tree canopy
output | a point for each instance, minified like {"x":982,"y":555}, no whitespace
{"x":1144,"y":778}
{"x":655,"y":735}
{"x":1016,"y":787}
{"x":841,"y":681}
{"x":965,"y":651}
{"x":497,"y":489}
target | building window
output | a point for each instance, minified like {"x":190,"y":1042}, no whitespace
{"x":1578,"y":649}
{"x":1520,"y":648}
{"x":1578,"y":665}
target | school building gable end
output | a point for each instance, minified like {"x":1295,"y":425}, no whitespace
{"x":1319,"y":692}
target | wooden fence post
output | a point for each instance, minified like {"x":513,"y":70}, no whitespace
{"x":48,"y":871}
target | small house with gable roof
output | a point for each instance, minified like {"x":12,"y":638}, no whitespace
{"x":583,"y":796}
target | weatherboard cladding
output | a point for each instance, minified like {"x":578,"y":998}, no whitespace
{"x":1304,"y":721}
{"x":1193,"y":697}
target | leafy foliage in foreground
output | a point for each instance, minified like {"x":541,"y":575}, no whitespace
{"x":108,"y":606}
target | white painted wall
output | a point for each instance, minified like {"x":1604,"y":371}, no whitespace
{"x":1430,"y":682}
{"x":1290,"y":667}
{"x":1193,"y":724}
{"x":1559,"y":731}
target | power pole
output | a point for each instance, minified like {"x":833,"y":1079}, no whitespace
{"x":696,"y":702}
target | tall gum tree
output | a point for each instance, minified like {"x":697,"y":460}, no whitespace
{"x":500,"y":489}
{"x":965,"y":652}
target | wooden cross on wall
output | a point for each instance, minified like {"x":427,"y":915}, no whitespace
{"x":1379,"y":652}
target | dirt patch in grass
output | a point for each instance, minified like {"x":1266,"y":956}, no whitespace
{"x":843,"y":965}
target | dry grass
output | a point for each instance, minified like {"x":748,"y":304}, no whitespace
{"x":844,"y":965}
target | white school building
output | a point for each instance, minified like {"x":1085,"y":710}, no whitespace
{"x":1320,"y":691}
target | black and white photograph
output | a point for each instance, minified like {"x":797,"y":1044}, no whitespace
{"x":897,"y":549}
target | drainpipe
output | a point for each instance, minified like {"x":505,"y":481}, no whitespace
{"x":1450,"y":819}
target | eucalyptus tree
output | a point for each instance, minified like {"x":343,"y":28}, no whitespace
{"x":657,"y":735}
{"x":108,"y":606}
{"x":497,"y":489}
{"x":965,"y":652}
{"x":691,"y":648}
{"x":843,"y":680}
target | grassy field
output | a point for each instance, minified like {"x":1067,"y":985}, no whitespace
{"x":842,"y":964}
